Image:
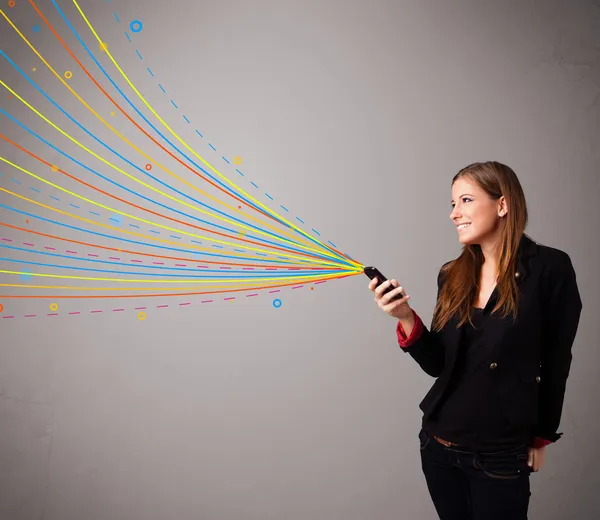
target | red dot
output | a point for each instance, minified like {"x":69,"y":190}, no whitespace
{"x":148,"y":167}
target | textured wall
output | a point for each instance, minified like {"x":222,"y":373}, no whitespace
{"x":355,"y":116}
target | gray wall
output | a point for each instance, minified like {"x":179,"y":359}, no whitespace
{"x":354,"y":115}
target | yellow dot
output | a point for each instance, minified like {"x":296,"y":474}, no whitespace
{"x":142,"y":316}
{"x":112,"y":113}
{"x":54,"y":306}
{"x":68,"y":74}
{"x":34,"y":69}
{"x":237,"y":160}
{"x":103,"y":46}
{"x":54,"y":168}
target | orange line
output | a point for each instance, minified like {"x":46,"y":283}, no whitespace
{"x":88,"y":244}
{"x":308,"y":255}
{"x":148,"y":135}
{"x":82,"y":297}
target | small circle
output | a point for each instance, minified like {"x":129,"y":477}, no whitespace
{"x":103,"y":46}
{"x":277,"y":303}
{"x":237,"y":160}
{"x":36,"y":28}
{"x":54,"y":306}
{"x":11,"y":3}
{"x":34,"y":69}
{"x":1,"y":307}
{"x":112,"y":113}
{"x":54,"y":168}
{"x":148,"y":167}
{"x":141,"y":316}
{"x":68,"y":74}
{"x":136,"y":26}
{"x":26,"y":275}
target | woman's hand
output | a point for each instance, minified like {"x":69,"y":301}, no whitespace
{"x":399,"y":308}
{"x":536,"y":458}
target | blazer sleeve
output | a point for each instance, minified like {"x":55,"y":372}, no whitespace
{"x":428,"y":349}
{"x":562,"y":311}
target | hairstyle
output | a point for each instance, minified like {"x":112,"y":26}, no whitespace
{"x":460,"y":289}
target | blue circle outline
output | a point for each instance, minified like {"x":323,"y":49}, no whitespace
{"x":138,"y":24}
{"x":276,"y":304}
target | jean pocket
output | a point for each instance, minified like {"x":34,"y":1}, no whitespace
{"x":510,"y":465}
{"x":424,"y":439}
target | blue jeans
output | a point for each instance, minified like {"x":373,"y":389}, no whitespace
{"x":468,"y":485}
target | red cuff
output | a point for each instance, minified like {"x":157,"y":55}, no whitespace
{"x":538,"y":442}
{"x":405,"y":342}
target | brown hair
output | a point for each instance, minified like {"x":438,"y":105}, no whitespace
{"x":460,"y":290}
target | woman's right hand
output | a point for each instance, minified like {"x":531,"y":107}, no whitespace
{"x":399,"y":308}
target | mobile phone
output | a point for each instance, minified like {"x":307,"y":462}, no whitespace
{"x":373,"y":272}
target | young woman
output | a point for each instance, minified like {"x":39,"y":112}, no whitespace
{"x":499,"y":347}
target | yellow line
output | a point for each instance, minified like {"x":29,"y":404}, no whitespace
{"x":81,"y":100}
{"x":141,"y":182}
{"x":121,"y":280}
{"x":182,"y":141}
{"x":154,"y":239}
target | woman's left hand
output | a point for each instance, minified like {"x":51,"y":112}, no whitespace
{"x":536,"y":458}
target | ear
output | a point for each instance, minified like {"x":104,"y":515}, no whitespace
{"x":502,"y":207}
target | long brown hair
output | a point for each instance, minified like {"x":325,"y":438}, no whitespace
{"x":460,"y":290}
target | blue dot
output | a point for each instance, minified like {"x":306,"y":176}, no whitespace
{"x":136,"y":26}
{"x":277,"y":303}
{"x":26,"y":276}
{"x":36,"y":28}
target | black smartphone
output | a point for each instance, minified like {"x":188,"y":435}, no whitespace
{"x":373,"y":272}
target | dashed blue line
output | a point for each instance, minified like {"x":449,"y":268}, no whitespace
{"x":138,"y":53}
{"x":212,"y":147}
{"x":148,"y":69}
{"x":254,"y":184}
{"x":173,"y":103}
{"x":298,"y":218}
{"x":186,"y":119}
{"x":94,"y":213}
{"x":173,"y":236}
{"x":240,"y":172}
{"x":199,"y":133}
{"x":55,"y":198}
{"x":218,"y":246}
{"x":15,"y":180}
{"x":316,"y":231}
{"x":195,"y":242}
{"x":127,"y":36}
{"x":330,"y":242}
{"x":284,"y":208}
{"x":74,"y":206}
{"x":155,"y":232}
{"x":35,"y":189}
{"x":135,"y":226}
{"x":116,"y":17}
{"x":269,"y":196}
{"x":162,"y":88}
{"x":225,"y":160}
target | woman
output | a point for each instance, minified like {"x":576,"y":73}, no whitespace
{"x":500,"y":347}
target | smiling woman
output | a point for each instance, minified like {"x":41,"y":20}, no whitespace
{"x":499,"y":347}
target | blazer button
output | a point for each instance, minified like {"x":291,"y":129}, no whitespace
{"x":493,"y":366}
{"x":537,"y":379}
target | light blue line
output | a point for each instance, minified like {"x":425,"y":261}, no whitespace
{"x":254,"y":184}
{"x":150,"y":72}
{"x":199,"y":133}
{"x":116,"y":17}
{"x":209,"y":144}
{"x":173,"y":103}
{"x":240,"y":172}
{"x":269,"y":196}
{"x":162,"y":88}
{"x":138,"y":53}
{"x":187,"y":120}
{"x":225,"y":160}
{"x":298,"y":218}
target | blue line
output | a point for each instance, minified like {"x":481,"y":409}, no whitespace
{"x":122,"y":239}
{"x":332,"y":243}
{"x":269,"y":274}
{"x":336,"y":255}
{"x":187,"y":120}
{"x":269,"y":196}
{"x":162,"y":88}
{"x":212,"y":147}
{"x":138,"y":53}
{"x":225,"y":160}
{"x":240,"y":172}
{"x":285,"y":208}
{"x":35,"y":189}
{"x":116,"y":17}
{"x":150,"y":72}
{"x":94,"y":213}
{"x":298,"y":218}
{"x":74,"y":206}
{"x":55,"y":198}
{"x":128,"y":36}
{"x":316,"y":231}
{"x":254,"y":184}
{"x":173,"y":103}
{"x":134,"y":166}
{"x":199,"y":133}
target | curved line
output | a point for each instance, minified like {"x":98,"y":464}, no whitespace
{"x":352,"y":262}
{"x":68,"y":297}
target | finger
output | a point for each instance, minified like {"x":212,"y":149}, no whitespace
{"x":389,"y":307}
{"x":373,"y":284}
{"x":382,"y":287}
{"x":388,"y":297}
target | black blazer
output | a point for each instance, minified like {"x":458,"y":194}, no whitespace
{"x":529,"y":361}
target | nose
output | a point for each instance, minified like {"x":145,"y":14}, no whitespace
{"x":454,"y":213}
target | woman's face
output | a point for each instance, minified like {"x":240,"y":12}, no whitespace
{"x":475,"y":214}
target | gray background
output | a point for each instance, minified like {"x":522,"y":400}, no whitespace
{"x":355,"y":115}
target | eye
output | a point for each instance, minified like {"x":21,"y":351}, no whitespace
{"x":466,"y":198}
